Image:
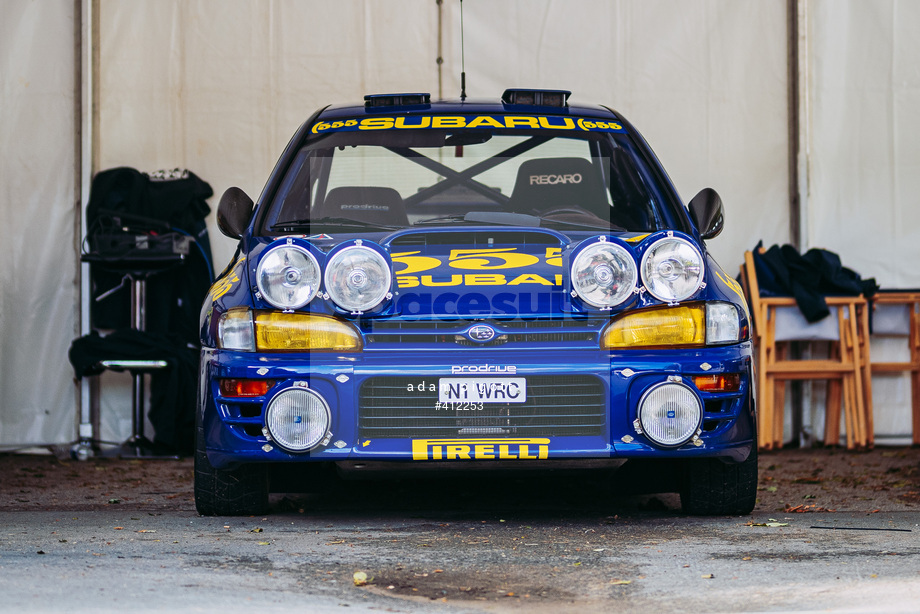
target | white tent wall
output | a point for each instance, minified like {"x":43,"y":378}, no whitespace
{"x":864,"y":140}
{"x":864,"y":92}
{"x":38,"y":303}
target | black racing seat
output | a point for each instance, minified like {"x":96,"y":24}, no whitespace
{"x":375,"y":205}
{"x":558,"y":183}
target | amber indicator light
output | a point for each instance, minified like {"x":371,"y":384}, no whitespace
{"x":722,"y":382}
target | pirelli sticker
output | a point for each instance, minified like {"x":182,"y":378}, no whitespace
{"x":529,"y":448}
{"x":442,"y":122}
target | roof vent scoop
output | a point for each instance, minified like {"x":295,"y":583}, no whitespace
{"x":537,"y":98}
{"x":396,"y":100}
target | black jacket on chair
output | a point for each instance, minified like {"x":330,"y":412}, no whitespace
{"x":783,"y":271}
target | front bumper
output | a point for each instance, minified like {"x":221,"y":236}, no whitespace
{"x":233,"y":427}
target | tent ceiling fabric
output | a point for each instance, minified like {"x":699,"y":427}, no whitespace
{"x":219,"y":86}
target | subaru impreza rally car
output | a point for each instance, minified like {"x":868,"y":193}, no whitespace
{"x":473,"y":282}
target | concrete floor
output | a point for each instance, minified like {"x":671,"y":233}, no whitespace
{"x":110,"y":535}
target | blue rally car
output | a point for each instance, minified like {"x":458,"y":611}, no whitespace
{"x":473,"y":281}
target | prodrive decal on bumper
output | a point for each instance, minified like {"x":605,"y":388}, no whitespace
{"x":480,"y":449}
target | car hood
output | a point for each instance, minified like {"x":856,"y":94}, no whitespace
{"x":479,"y":273}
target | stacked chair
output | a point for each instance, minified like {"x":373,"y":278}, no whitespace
{"x":896,"y":314}
{"x":847,"y":368}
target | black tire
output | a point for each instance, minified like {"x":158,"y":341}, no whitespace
{"x":712,"y":487}
{"x":236,"y":492}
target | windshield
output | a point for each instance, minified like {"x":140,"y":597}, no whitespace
{"x":391,"y":179}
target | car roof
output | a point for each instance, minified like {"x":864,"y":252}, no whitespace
{"x":470,"y":105}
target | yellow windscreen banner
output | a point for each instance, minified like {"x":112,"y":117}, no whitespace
{"x":449,"y":122}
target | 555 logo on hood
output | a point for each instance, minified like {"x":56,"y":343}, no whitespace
{"x":489,"y":259}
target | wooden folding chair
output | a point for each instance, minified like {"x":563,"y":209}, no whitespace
{"x":897,"y":314}
{"x":777,"y":320}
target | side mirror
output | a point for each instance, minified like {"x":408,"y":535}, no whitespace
{"x":234,"y":213}
{"x":707,"y":213}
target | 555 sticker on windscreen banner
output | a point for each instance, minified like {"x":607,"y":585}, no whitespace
{"x":482,"y":390}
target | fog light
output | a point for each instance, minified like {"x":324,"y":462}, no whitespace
{"x":672,"y":269}
{"x":298,"y":419}
{"x":604,"y":274}
{"x":670,"y":414}
{"x":358,"y":277}
{"x":288,"y":276}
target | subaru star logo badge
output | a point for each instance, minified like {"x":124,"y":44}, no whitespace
{"x":481,"y":333}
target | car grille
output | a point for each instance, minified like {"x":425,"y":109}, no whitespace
{"x":380,"y":334}
{"x":557,"y":405}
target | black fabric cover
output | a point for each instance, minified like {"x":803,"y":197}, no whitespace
{"x":783,"y":271}
{"x":179,"y":202}
{"x":172,"y":390}
{"x":174,"y":201}
{"x":174,"y":296}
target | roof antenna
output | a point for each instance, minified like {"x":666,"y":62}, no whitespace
{"x":462,"y":64}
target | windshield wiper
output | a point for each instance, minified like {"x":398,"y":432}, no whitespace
{"x":498,"y":218}
{"x":443,"y":218}
{"x":546,"y":221}
{"x":330,"y":221}
{"x":507,"y":218}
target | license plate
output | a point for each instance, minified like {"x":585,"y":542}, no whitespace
{"x":482,"y":389}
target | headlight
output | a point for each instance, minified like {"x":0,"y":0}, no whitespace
{"x":672,"y":269}
{"x":723,"y":325}
{"x":670,"y":326}
{"x":288,"y":276}
{"x":357,"y":278}
{"x":670,"y":414}
{"x":604,"y":275}
{"x":304,"y":332}
{"x":297,"y":419}
{"x":234,"y":330}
